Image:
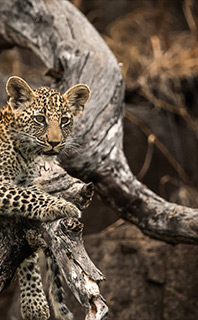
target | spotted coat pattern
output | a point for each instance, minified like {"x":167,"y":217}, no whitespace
{"x":35,"y":125}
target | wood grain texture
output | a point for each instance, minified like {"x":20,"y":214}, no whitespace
{"x":73,"y":52}
{"x":19,"y":237}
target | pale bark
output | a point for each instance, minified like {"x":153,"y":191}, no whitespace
{"x":73,"y":52}
{"x":20,"y":236}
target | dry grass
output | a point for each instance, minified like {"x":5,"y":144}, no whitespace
{"x":147,"y":43}
{"x":158,"y":53}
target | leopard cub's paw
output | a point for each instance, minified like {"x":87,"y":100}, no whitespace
{"x":72,"y":211}
{"x":64,"y":209}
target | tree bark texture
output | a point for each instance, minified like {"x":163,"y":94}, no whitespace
{"x":73,"y":52}
{"x":19,"y":237}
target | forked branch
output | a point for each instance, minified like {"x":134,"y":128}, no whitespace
{"x":77,"y":54}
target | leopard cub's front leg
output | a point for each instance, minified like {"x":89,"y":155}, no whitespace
{"x":34,"y":204}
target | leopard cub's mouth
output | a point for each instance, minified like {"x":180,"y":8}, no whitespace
{"x":50,"y":152}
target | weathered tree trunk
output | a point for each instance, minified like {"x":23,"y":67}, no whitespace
{"x":19,"y":237}
{"x":73,"y":52}
{"x":13,"y":231}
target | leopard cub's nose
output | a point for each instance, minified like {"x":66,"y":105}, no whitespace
{"x":53,"y":143}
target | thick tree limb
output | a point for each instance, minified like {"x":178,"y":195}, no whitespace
{"x":76,"y":53}
{"x":152,"y":214}
{"x":64,"y":240}
{"x":14,"y":246}
{"x":73,"y":52}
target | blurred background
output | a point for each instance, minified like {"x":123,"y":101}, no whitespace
{"x":156,"y":45}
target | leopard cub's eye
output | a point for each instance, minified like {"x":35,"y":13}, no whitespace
{"x":40,"y":119}
{"x":65,"y":120}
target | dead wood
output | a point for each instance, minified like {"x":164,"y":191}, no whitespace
{"x":19,"y":237}
{"x":73,"y":52}
{"x":64,"y":240}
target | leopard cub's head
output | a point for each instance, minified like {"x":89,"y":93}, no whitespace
{"x":44,"y":114}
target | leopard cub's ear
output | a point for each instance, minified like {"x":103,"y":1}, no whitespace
{"x":19,"y":92}
{"x":76,"y":97}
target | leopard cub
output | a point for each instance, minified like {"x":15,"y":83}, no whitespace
{"x":35,"y":124}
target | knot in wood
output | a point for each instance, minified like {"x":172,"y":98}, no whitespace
{"x":71,"y":224}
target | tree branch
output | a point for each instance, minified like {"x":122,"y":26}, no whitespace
{"x":78,"y":271}
{"x":62,"y":237}
{"x":136,"y":203}
{"x":73,"y":52}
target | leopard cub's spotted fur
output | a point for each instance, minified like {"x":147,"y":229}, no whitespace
{"x":33,"y":125}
